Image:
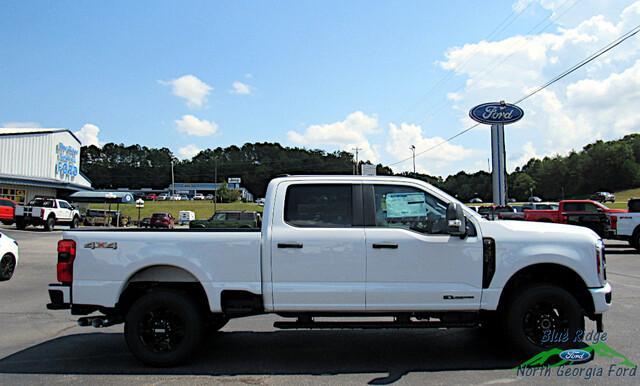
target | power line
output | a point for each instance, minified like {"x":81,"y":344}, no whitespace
{"x":616,"y":42}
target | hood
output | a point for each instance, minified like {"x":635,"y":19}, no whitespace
{"x":542,"y":231}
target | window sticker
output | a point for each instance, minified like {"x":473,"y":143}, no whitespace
{"x":405,"y":205}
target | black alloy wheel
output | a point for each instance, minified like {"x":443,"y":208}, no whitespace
{"x":7,"y":266}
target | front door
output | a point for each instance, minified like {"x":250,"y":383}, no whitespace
{"x":318,"y":248}
{"x":412,"y":263}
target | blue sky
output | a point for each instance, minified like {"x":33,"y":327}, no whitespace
{"x":331,"y":75}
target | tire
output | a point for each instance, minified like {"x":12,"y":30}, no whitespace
{"x":164,"y":328}
{"x":635,"y":239}
{"x":539,"y":308}
{"x":75,"y":222}
{"x":7,"y":266}
{"x":50,"y":224}
{"x":20,"y":225}
{"x":7,"y":222}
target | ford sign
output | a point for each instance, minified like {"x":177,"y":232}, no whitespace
{"x":496,"y":112}
{"x":575,"y":355}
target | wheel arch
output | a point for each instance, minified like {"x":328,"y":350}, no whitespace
{"x":161,"y":276}
{"x":551,"y":273}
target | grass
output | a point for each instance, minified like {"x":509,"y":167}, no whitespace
{"x":202,"y":209}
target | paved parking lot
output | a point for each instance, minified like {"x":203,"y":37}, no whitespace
{"x":38,"y":346}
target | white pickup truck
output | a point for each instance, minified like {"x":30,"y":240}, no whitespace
{"x":337,"y":246}
{"x":626,"y":225}
{"x":48,"y":212}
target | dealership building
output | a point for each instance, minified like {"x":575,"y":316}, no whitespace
{"x":39,"y":162}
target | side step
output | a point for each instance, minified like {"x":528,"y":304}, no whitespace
{"x":309,"y":323}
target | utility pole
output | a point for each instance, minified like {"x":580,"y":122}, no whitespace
{"x":215,"y":180}
{"x":413,"y":152}
{"x":173,"y":181}
{"x":356,"y":150}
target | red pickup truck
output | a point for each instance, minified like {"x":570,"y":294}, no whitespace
{"x":587,"y":213}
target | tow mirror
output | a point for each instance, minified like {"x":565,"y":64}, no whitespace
{"x":456,"y":222}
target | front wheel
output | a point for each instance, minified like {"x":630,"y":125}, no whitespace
{"x":7,"y":222}
{"x":540,"y":312}
{"x":20,"y":225}
{"x":164,"y":328}
{"x":7,"y":266}
{"x":75,"y":222}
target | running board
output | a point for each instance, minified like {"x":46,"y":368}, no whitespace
{"x":369,"y":325}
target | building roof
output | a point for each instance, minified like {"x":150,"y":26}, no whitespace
{"x":44,"y":182}
{"x":34,"y":130}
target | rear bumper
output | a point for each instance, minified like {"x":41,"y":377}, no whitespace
{"x":60,"y":297}
{"x":602,"y":298}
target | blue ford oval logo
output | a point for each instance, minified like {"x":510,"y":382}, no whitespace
{"x":575,"y":355}
{"x":496,"y":112}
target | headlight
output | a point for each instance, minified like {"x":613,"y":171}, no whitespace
{"x":601,"y":262}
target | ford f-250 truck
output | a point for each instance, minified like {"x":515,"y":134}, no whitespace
{"x":626,"y":225}
{"x":337,"y":246}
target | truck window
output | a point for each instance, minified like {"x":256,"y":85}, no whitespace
{"x":409,"y":208}
{"x":574,"y":207}
{"x":318,"y":206}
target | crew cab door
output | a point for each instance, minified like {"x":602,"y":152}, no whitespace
{"x":412,"y":262}
{"x":64,"y":211}
{"x":318,"y":247}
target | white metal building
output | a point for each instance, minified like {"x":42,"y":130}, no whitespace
{"x":39,"y":162}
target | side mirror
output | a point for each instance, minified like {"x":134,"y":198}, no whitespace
{"x":456,"y":222}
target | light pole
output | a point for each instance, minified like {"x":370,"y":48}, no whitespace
{"x":173,"y":182}
{"x":356,"y":150}
{"x":215,"y":182}
{"x":413,"y":152}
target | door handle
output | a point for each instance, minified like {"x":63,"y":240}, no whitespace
{"x":385,"y":246}
{"x":290,"y":245}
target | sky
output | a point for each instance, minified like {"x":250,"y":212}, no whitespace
{"x":380,"y":76}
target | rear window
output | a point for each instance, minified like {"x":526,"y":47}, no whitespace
{"x":43,"y":203}
{"x":319,"y":206}
{"x":7,"y":203}
{"x":159,"y":215}
{"x":247,"y":216}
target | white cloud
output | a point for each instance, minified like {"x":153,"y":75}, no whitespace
{"x":241,"y":88}
{"x":194,"y":126}
{"x":25,"y":124}
{"x":190,"y":88}
{"x":88,"y":135}
{"x":528,"y":152}
{"x":347,"y":134}
{"x":404,"y":135}
{"x":597,"y":101}
{"x":189,"y":151}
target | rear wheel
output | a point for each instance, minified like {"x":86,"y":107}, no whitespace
{"x":635,"y":239}
{"x":539,"y":311}
{"x":7,"y":222}
{"x":50,"y":223}
{"x":7,"y":266}
{"x":164,"y":328}
{"x":20,"y":224}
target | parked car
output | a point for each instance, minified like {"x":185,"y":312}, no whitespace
{"x":163,"y":197}
{"x":175,"y":197}
{"x":198,"y":197}
{"x":209,"y":197}
{"x":603,"y":197}
{"x":534,"y":199}
{"x":229,"y":219}
{"x":105,"y":217}
{"x":145,"y":222}
{"x":493,"y":212}
{"x":184,"y":197}
{"x":162,"y":220}
{"x":185,"y":216}
{"x":8,"y":256}
{"x":151,"y":197}
{"x":510,"y":212}
{"x":476,"y":200}
{"x":7,"y":211}
{"x":626,"y":226}
{"x":260,"y":201}
{"x":586,"y":213}
{"x":48,"y":212}
{"x":339,"y":246}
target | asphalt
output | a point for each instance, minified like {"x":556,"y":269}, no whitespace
{"x":38,"y":346}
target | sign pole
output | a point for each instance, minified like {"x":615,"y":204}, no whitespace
{"x":498,"y":175}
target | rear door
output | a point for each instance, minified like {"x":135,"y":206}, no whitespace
{"x":412,"y":262}
{"x":318,"y":248}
